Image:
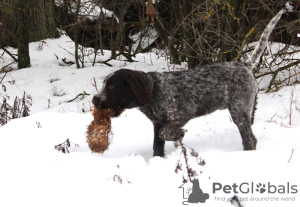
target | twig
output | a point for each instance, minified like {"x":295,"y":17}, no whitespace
{"x":292,"y":154}
{"x":190,"y":172}
{"x":275,"y":73}
{"x":64,"y":147}
{"x":271,"y":120}
{"x":266,"y":7}
{"x":118,"y":177}
{"x":20,"y":108}
{"x":281,"y":82}
{"x":11,"y":55}
{"x":66,"y":50}
{"x":3,"y":77}
{"x":279,"y":69}
{"x":95,"y":84}
{"x":81,"y":94}
{"x":67,"y":62}
{"x":3,"y":69}
{"x":185,"y":159}
{"x":291,"y":106}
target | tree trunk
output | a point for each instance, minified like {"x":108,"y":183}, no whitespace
{"x":76,"y":34}
{"x":24,"y":16}
{"x":42,"y":24}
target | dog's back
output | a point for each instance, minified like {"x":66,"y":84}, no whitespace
{"x":204,"y":89}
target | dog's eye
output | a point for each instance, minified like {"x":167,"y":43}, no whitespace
{"x":111,"y":87}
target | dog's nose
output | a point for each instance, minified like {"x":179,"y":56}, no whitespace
{"x":96,"y":101}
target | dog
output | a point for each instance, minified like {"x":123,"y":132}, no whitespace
{"x":171,"y":99}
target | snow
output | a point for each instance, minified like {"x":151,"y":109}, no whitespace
{"x":145,"y":37}
{"x":33,"y":173}
{"x":289,"y":7}
{"x":89,"y":10}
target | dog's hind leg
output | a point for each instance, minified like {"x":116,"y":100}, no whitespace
{"x":243,"y":121}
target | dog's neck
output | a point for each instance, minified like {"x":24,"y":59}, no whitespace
{"x":150,"y":81}
{"x":148,"y":78}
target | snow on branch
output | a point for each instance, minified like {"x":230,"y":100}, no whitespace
{"x":88,"y":10}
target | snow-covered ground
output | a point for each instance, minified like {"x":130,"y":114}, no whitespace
{"x":33,"y":173}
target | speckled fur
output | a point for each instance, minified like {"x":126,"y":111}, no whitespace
{"x":262,"y":43}
{"x":181,"y":96}
{"x":171,"y":99}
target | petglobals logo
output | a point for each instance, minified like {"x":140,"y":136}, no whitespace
{"x":262,"y":188}
{"x":192,"y":193}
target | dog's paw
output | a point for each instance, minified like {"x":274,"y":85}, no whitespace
{"x":249,"y":146}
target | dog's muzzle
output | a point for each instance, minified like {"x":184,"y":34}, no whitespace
{"x":96,"y":101}
{"x":98,"y":98}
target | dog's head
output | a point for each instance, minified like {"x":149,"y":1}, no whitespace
{"x":123,"y":89}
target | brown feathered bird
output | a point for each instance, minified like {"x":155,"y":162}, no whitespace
{"x":99,"y":130}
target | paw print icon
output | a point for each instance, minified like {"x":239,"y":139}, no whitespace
{"x":261,"y":188}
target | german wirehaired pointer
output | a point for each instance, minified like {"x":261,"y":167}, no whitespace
{"x":171,"y":99}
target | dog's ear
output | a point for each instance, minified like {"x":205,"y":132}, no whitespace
{"x":141,"y":89}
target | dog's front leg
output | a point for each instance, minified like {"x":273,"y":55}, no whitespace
{"x":159,"y":144}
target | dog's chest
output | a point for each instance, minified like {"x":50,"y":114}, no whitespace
{"x":172,"y":99}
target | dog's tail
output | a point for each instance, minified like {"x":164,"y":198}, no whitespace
{"x":259,"y":49}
